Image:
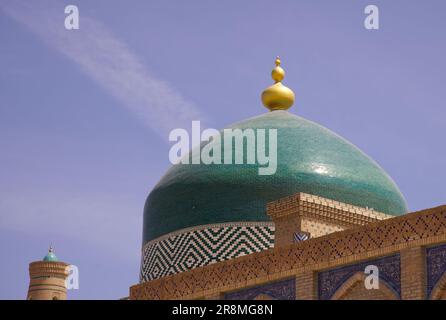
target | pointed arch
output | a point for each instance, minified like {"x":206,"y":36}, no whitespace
{"x":439,"y":291}
{"x":385,"y":291}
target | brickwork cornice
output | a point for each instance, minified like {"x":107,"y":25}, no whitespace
{"x":50,"y":269}
{"x":311,"y":206}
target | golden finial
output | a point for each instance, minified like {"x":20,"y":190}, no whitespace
{"x":277,"y":96}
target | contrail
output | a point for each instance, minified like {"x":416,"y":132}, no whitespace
{"x":109,"y":62}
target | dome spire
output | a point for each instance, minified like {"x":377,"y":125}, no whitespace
{"x":51,"y":256}
{"x":277,"y":96}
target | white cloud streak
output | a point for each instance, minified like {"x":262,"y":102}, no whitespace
{"x":107,"y":221}
{"x":109,"y":62}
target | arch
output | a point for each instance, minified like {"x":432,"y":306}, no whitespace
{"x":263,"y":296}
{"x":358,"y":278}
{"x":439,"y":290}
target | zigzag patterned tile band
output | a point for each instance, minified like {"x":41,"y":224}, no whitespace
{"x":199,"y":246}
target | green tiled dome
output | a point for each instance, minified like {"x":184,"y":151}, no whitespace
{"x":50,"y":257}
{"x":311,"y":159}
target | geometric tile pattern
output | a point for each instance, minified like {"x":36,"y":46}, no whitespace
{"x":301,"y":236}
{"x":319,"y":208}
{"x":342,"y":247}
{"x":436,"y":265}
{"x":280,"y":290}
{"x":389,"y":271}
{"x":204,"y":245}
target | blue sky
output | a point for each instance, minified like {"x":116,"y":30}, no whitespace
{"x":85,"y":114}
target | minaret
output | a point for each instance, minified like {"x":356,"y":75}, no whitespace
{"x":277,"y":96}
{"x":47,"y":278}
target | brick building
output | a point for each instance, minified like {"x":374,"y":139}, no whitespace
{"x":308,"y":231}
{"x":47,"y":278}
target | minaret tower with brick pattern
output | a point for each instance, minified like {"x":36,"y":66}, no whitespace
{"x":47,"y":278}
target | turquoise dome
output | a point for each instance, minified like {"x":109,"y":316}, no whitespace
{"x":310,"y":159}
{"x":50,"y":257}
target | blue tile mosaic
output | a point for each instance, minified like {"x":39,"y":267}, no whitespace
{"x":280,"y":290}
{"x":436,"y":266}
{"x":389,"y":270}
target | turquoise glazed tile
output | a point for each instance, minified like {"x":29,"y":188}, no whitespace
{"x":311,"y":159}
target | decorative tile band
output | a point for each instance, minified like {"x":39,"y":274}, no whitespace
{"x":199,"y":246}
{"x":389,"y":271}
{"x":279,"y":290}
{"x":436,"y":266}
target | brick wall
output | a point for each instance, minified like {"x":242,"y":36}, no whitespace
{"x":406,"y":236}
{"x":317,"y":228}
{"x":413,"y":273}
{"x":285,"y":227}
{"x":315,"y":215}
{"x":306,"y":286}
